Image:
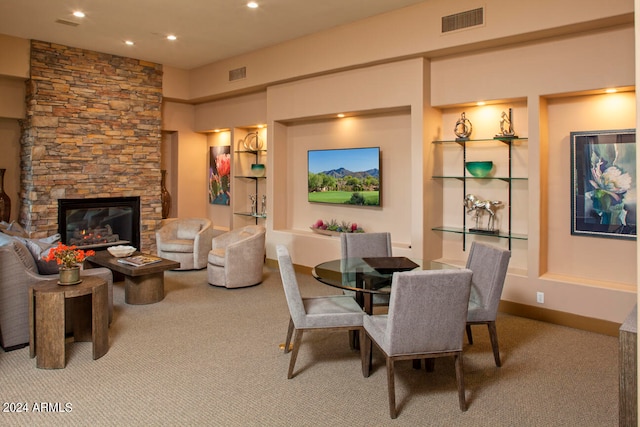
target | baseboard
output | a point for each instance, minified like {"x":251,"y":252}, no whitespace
{"x":562,"y":318}
{"x":590,"y":324}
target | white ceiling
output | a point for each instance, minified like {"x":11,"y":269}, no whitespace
{"x":207,"y":30}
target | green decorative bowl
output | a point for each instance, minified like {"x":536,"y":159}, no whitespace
{"x":257,"y":169}
{"x":479,"y":169}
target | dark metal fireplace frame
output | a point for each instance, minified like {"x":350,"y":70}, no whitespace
{"x":103,"y":202}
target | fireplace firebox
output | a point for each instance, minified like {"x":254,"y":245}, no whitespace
{"x":99,"y":222}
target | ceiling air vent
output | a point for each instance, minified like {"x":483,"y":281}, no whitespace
{"x":461,"y":20}
{"x":65,"y":22}
{"x":237,"y":74}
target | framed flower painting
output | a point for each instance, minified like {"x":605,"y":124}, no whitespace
{"x":220,"y":175}
{"x":603,"y":184}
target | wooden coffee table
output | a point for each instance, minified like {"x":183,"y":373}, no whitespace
{"x":142,"y":285}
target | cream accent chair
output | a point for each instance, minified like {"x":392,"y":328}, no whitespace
{"x":187,"y":241}
{"x":236,"y":258}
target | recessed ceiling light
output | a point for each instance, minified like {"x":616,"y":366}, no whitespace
{"x":78,"y":14}
{"x":128,"y":43}
{"x":252,"y":5}
{"x":171,"y":37}
{"x":341,"y":115}
{"x":480,"y":103}
{"x":611,"y":90}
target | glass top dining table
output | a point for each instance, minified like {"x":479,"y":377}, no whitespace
{"x":365,"y":276}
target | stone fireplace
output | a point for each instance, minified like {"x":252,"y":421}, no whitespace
{"x":92,"y":130}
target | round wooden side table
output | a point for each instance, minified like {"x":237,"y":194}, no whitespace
{"x":88,"y":318}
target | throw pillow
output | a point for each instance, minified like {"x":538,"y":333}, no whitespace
{"x":13,"y":229}
{"x":39,"y":249}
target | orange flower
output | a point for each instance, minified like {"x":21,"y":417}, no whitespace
{"x":68,"y":256}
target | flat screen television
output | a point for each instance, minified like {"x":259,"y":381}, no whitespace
{"x":345,"y":176}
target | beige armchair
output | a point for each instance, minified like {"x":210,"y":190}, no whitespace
{"x":187,"y":241}
{"x":237,"y":257}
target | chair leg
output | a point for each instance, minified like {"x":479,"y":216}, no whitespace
{"x":493,"y":335}
{"x":297,"y":340}
{"x":289,"y":334}
{"x":460,"y":381}
{"x":469,"y":336}
{"x":391,"y":385}
{"x":365,"y":353}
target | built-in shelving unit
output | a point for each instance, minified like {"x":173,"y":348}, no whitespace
{"x":245,"y":183}
{"x":464,"y":177}
{"x":255,"y":182}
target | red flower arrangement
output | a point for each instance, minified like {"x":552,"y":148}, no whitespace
{"x":67,"y":256}
{"x":333,"y":225}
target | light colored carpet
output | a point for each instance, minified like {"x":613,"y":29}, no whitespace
{"x":210,"y":356}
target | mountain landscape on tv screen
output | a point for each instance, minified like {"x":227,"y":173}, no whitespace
{"x":342,"y":172}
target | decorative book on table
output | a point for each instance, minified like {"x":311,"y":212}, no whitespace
{"x":140,"y":260}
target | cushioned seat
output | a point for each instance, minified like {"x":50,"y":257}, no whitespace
{"x":18,"y":271}
{"x":236,"y":258}
{"x":187,"y":241}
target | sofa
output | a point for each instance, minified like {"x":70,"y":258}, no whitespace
{"x":185,"y":240}
{"x":18,"y":271}
{"x":237,"y":257}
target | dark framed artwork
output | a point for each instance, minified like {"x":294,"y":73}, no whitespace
{"x":603,"y":184}
{"x":220,"y":175}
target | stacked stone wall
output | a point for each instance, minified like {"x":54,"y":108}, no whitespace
{"x":92,"y":129}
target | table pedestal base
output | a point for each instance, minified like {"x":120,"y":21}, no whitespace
{"x":147,"y":289}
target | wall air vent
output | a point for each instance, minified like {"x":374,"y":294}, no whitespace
{"x":237,"y":74}
{"x":461,"y":20}
{"x":65,"y":22}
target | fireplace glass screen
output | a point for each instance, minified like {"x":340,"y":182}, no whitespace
{"x":99,"y":223}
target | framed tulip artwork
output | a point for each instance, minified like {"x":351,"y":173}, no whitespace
{"x":220,"y":175}
{"x":603,"y":184}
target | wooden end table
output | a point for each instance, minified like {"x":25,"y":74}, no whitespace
{"x":143,"y":284}
{"x":89,"y":317}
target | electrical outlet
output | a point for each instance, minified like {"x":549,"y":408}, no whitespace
{"x":540,"y":297}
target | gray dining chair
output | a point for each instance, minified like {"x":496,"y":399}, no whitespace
{"x":426,"y":320}
{"x":489,"y":265}
{"x":359,"y":245}
{"x":362,"y":245}
{"x":327,"y":313}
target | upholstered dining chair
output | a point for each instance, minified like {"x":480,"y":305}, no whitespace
{"x":358,"y":245}
{"x":426,"y":320}
{"x":489,"y":265}
{"x":328,"y":313}
{"x":361,"y":245}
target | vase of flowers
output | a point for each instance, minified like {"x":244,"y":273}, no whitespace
{"x":69,"y":259}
